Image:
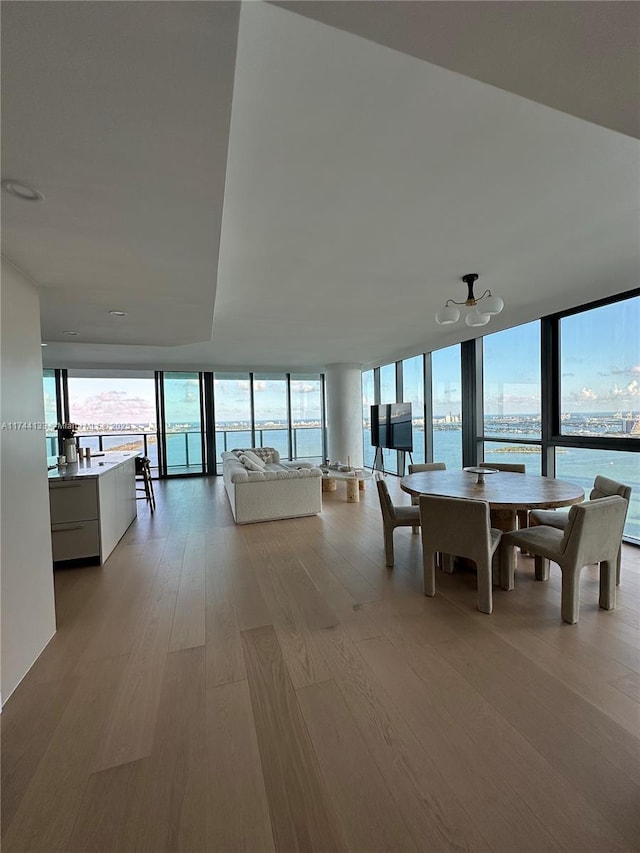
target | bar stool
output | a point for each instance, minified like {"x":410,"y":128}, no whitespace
{"x":143,"y":473}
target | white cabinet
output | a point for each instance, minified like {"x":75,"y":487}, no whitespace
{"x":75,"y":539}
{"x":75,"y":500}
{"x":74,"y":519}
{"x":117,"y":499}
{"x":89,"y":514}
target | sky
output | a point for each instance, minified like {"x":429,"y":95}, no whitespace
{"x":600,"y":372}
{"x":105,"y":403}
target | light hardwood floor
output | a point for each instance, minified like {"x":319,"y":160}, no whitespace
{"x":275,"y":687}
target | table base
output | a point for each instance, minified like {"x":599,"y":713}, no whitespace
{"x":353,"y":487}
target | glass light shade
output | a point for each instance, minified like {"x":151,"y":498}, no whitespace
{"x":475,"y":318}
{"x":492,"y":305}
{"x":448,"y":315}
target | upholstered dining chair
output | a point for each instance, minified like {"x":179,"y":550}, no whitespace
{"x":515,"y":468}
{"x":394,"y":516}
{"x":424,"y":466}
{"x":603,"y":487}
{"x":459,"y":526}
{"x":592,"y":535}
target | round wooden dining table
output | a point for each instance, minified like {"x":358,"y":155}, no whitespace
{"x":506,"y":492}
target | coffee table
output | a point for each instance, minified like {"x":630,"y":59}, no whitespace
{"x":354,"y":486}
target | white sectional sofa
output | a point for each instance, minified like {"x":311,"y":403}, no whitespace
{"x":279,"y":490}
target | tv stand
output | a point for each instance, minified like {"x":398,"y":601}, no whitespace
{"x":378,"y":461}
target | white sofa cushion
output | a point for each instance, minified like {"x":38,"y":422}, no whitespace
{"x":249,"y":464}
{"x":249,"y":454}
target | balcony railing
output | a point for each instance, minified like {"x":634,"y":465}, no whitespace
{"x":184,"y":449}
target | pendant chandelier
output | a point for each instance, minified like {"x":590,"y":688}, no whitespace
{"x":480,"y":309}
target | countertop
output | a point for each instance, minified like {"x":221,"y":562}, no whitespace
{"x":91,"y":469}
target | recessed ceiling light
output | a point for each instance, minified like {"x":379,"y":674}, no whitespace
{"x":21,"y":190}
{"x":118,"y":313}
{"x":44,"y":345}
{"x":71,"y":333}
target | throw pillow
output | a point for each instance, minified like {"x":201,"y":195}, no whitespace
{"x":255,"y":458}
{"x":249,"y":464}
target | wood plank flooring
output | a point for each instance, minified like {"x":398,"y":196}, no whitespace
{"x":274,"y":687}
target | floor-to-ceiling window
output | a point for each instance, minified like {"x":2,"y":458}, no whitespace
{"x":413,"y":392}
{"x":183,"y":423}
{"x":307,"y":424}
{"x":600,"y":371}
{"x":368,"y":399}
{"x":389,"y":394}
{"x":600,"y":398}
{"x":114,"y":413}
{"x":232,"y":401}
{"x":446,"y":396}
{"x":271,"y":412}
{"x":512,"y":397}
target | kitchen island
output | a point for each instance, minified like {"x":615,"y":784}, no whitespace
{"x":92,"y":503}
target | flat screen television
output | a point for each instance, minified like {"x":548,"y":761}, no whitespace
{"x":391,"y":426}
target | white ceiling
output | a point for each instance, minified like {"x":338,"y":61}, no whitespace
{"x":361,"y":182}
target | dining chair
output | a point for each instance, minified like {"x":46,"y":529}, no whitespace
{"x":515,"y":468}
{"x":394,"y":516}
{"x":459,"y":526}
{"x":424,"y":466}
{"x":603,"y":487}
{"x":592,"y":535}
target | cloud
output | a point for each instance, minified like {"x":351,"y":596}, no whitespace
{"x":624,"y":371}
{"x":630,"y":390}
{"x":303,"y":387}
{"x":588,"y":394}
{"x":113,"y":406}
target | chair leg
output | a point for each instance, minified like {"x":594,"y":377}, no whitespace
{"x":570,"y":595}
{"x":607,"y":585}
{"x":447,"y":563}
{"x":542,"y":568}
{"x":388,"y":545}
{"x":485,"y":592}
{"x":414,"y":502}
{"x":495,"y":567}
{"x":149,"y":487}
{"x":429,"y":567}
{"x":618,"y":566}
{"x":506,"y":563}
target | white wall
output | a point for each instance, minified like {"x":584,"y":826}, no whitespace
{"x":26,"y":582}
{"x":344,"y":413}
